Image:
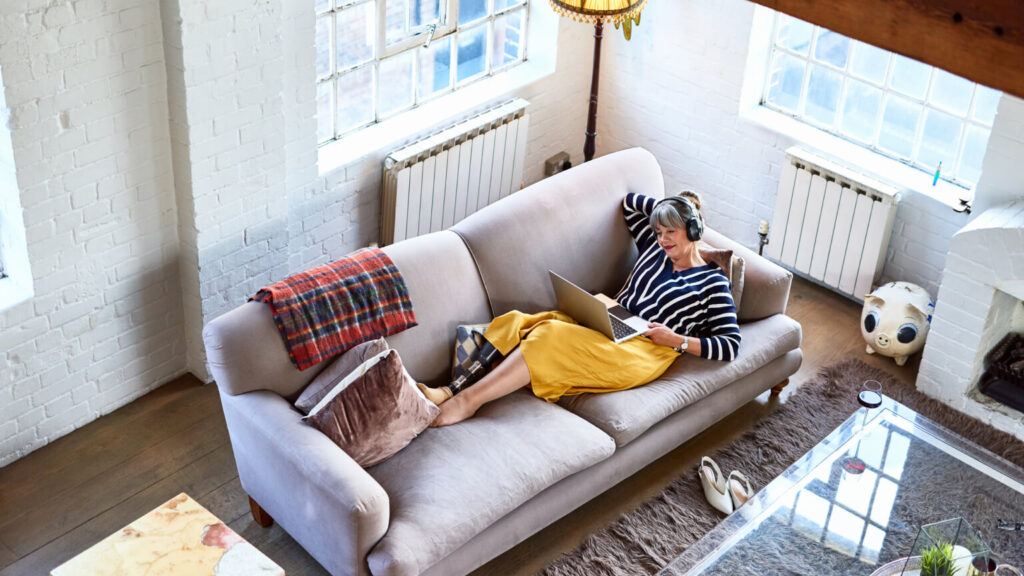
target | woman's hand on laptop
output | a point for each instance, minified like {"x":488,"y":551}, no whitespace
{"x":662,"y":335}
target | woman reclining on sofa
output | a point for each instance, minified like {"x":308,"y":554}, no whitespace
{"x":685,"y":300}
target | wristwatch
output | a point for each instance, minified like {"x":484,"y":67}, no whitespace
{"x":682,"y":347}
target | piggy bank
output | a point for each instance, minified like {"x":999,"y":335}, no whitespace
{"x":895,"y":320}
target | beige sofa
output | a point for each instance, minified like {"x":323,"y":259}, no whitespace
{"x":458,"y":496}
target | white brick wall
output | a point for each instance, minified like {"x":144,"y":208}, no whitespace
{"x":167,"y":169}
{"x":340,"y":211}
{"x":675,"y":89}
{"x":252,"y":207}
{"x":983,"y":255}
{"x":84,"y":80}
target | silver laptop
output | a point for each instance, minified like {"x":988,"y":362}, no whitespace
{"x":617,"y":323}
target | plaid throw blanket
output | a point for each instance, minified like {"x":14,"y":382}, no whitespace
{"x":327,"y":310}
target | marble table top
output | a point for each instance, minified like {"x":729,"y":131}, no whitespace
{"x":178,"y":538}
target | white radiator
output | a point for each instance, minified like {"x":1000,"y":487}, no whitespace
{"x":831,"y":224}
{"x":436,"y":182}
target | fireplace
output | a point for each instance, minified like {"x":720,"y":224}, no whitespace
{"x":979,"y":304}
{"x":1003,"y":378}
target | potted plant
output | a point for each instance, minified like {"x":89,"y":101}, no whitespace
{"x":937,"y":560}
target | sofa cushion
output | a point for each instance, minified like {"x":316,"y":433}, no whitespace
{"x":446,"y":291}
{"x":626,"y":414}
{"x":375,"y":411}
{"x":336,"y":371}
{"x":731,"y":266}
{"x":452,"y":482}
{"x":571,"y":223}
{"x":765,"y":283}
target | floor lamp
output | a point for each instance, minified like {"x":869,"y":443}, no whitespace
{"x":596,"y":11}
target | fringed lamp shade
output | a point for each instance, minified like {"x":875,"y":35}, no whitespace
{"x":593,"y":11}
{"x":596,"y":12}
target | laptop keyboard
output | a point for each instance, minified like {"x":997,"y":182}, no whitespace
{"x":620,"y":329}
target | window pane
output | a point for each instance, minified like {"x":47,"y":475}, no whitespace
{"x":472,"y":56}
{"x":506,"y":41}
{"x":355,"y":35}
{"x":794,"y":34}
{"x":985,"y":104}
{"x":425,"y":11}
{"x":951,"y":92}
{"x":395,"y":84}
{"x":832,"y":48}
{"x":786,"y":81}
{"x":899,"y":125}
{"x":435,"y":67}
{"x":939,"y":140}
{"x":973,"y":154}
{"x":324,"y":121}
{"x":355,"y":99}
{"x":860,"y":110}
{"x":823,"y":94}
{"x":470,"y":10}
{"x":322,"y":5}
{"x":323,"y":46}
{"x":909,"y":76}
{"x":869,"y":63}
{"x":403,"y":16}
{"x":502,"y":4}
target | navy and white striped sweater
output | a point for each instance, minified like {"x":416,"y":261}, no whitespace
{"x":694,"y":302}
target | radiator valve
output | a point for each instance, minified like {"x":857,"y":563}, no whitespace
{"x":762,"y":233}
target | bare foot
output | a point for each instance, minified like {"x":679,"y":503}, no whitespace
{"x":454,"y":411}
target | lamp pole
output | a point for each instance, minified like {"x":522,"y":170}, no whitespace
{"x":589,"y":145}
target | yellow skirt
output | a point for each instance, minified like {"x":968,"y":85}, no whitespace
{"x":566,"y":359}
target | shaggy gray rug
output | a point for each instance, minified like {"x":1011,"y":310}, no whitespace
{"x":649,"y":537}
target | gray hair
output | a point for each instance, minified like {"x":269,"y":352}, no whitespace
{"x":674,"y":213}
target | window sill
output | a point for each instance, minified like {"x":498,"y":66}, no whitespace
{"x":13,"y":292}
{"x":900,"y":175}
{"x":433,"y":115}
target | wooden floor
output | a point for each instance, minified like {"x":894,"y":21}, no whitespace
{"x":70,"y":494}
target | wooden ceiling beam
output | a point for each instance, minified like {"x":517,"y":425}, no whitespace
{"x":982,"y":40}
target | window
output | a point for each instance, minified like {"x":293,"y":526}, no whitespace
{"x":893,"y":105}
{"x":378,"y":58}
{"x":15,"y":273}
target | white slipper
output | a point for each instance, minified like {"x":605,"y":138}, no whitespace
{"x":739,"y":493}
{"x":714,"y":485}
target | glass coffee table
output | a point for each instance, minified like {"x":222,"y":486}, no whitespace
{"x":858,"y":498}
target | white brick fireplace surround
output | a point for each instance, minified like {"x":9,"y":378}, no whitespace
{"x":979,"y":302}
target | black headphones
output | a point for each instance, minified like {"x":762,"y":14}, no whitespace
{"x":690,"y":214}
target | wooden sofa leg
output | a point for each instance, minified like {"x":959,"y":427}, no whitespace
{"x":778,"y":387}
{"x":259,"y":514}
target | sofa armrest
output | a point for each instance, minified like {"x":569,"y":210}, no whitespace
{"x":765,"y":284}
{"x":315,"y":491}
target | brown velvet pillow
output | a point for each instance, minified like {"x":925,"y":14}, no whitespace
{"x":732,"y":267}
{"x":335,"y":371}
{"x":375,"y":411}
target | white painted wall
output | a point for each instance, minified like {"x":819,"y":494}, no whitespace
{"x":85,"y":83}
{"x":1002,"y":177}
{"x":167,"y":169}
{"x":166,"y":153}
{"x":675,"y":89}
{"x":252,"y":204}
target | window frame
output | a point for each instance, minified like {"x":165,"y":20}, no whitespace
{"x":950,"y":173}
{"x":447,"y":29}
{"x":540,"y":60}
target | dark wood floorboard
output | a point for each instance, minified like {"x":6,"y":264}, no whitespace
{"x":70,"y":494}
{"x":69,"y":504}
{"x":79,"y":457}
